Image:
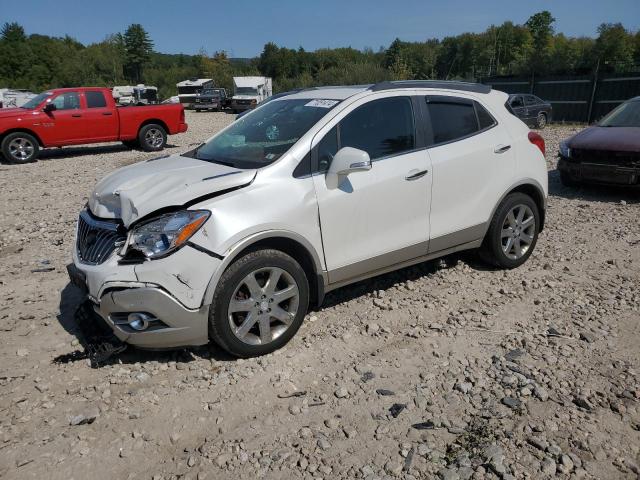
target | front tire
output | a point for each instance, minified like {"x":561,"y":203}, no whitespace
{"x":20,"y":147}
{"x":513,"y":232}
{"x":259,"y":303}
{"x":152,"y":137}
{"x":567,"y":181}
{"x":541,"y":121}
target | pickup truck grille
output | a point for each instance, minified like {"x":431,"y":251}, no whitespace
{"x":97,"y":239}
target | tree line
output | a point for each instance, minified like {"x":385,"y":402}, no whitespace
{"x":38,"y":62}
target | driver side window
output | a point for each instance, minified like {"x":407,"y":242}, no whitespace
{"x":327,"y":148}
{"x":67,"y":101}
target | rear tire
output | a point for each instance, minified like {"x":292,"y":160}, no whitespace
{"x":152,"y":137}
{"x":20,"y":147}
{"x":513,"y":232}
{"x":259,"y":303}
{"x":541,"y":121}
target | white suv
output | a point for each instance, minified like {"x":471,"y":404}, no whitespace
{"x":315,"y":190}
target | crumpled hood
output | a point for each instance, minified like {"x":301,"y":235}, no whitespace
{"x":133,"y":192}
{"x":621,"y":139}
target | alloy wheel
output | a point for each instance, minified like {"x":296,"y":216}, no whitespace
{"x":518,"y":232}
{"x":263,"y":305}
{"x":154,"y":137}
{"x":21,"y":149}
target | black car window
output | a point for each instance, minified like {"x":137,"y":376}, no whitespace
{"x":517,"y":102}
{"x":452,"y":120}
{"x":327,"y":149}
{"x":530,"y":100}
{"x":484,"y":118}
{"x":95,"y":99}
{"x":381,"y":128}
{"x":67,"y":101}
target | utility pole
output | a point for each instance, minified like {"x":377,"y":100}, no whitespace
{"x":593,"y":91}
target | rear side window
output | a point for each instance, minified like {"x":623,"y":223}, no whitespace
{"x":485,"y":120}
{"x":95,"y":99}
{"x":451,"y":120}
{"x":381,"y":128}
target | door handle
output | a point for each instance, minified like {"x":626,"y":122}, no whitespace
{"x":107,"y":113}
{"x":76,"y":115}
{"x":416,"y":174}
{"x":501,"y":148}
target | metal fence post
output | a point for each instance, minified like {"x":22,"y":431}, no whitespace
{"x":593,"y":93}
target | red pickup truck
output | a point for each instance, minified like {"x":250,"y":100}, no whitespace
{"x":76,"y":116}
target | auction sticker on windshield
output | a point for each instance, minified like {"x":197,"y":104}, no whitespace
{"x":321,"y":103}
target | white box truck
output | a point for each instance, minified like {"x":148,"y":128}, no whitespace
{"x":249,"y":92}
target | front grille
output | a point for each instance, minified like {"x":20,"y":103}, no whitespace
{"x":621,"y":159}
{"x":97,"y":238}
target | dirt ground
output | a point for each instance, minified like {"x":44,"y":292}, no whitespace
{"x":447,"y":369}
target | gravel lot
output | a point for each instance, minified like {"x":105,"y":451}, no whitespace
{"x":445,"y":369}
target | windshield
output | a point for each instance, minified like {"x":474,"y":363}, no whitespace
{"x":626,"y":115}
{"x":37,"y":100}
{"x":246,"y":91}
{"x":211,"y":92}
{"x":263,"y":136}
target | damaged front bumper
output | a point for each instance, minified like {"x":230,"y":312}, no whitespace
{"x":600,"y":172}
{"x":168,"y":293}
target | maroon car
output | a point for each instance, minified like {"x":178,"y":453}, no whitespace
{"x":608,"y":152}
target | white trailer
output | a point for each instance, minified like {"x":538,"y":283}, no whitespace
{"x":189,"y":89}
{"x":250,"y":91}
{"x":14,"y":97}
{"x":135,"y":95}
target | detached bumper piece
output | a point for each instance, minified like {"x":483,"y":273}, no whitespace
{"x":611,"y":168}
{"x":97,"y":338}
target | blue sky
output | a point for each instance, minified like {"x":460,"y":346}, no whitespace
{"x":242,"y":27}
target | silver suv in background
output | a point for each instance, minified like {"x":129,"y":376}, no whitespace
{"x":234,"y":240}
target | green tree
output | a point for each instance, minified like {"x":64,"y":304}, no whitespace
{"x":12,"y":32}
{"x":138,"y":48}
{"x":541,"y":27}
{"x":614,"y":46}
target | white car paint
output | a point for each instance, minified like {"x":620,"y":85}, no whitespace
{"x":379,"y":218}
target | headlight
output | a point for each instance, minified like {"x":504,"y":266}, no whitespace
{"x":565,"y":151}
{"x":162,"y":235}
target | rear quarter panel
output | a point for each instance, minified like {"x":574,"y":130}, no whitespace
{"x":133,"y":117}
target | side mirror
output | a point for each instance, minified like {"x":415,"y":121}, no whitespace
{"x":347,"y":160}
{"x":49,"y":107}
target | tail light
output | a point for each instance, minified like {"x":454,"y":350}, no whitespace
{"x":537,"y":140}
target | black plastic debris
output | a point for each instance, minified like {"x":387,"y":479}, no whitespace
{"x":428,"y":425}
{"x":396,"y":408}
{"x":96,"y":337}
{"x":384,"y":392}
{"x":301,"y":393}
{"x":366,"y":376}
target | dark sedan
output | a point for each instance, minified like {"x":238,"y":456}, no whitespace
{"x":530,"y":109}
{"x":608,"y":152}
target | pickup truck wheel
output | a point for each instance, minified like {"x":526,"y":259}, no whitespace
{"x":152,"y":137}
{"x":513,"y":232}
{"x":259,"y":303}
{"x":20,"y":147}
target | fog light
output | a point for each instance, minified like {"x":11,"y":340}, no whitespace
{"x":139,"y":321}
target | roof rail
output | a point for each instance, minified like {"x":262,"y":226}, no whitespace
{"x":443,"y":84}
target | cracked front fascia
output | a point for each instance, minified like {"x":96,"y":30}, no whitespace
{"x":185,"y":274}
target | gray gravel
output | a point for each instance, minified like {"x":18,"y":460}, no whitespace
{"x":530,"y":373}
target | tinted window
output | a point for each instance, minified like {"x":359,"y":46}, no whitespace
{"x":530,"y":100}
{"x":380,"y":128}
{"x":327,"y":149}
{"x":95,"y":99}
{"x":517,"y":102}
{"x":67,"y":101}
{"x":451,"y":121}
{"x":484,"y":118}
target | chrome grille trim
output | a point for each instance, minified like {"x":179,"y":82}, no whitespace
{"x":97,"y":239}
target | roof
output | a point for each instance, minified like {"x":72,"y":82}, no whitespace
{"x":195,"y":82}
{"x":249,"y":81}
{"x":346,"y":91}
